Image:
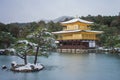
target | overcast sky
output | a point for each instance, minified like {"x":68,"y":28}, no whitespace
{"x":35,"y":10}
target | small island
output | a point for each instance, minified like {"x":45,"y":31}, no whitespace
{"x":26,"y":68}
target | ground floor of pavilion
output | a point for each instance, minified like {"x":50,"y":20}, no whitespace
{"x":77,"y":44}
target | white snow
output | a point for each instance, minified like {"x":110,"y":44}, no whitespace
{"x":27,"y":42}
{"x":32,"y":44}
{"x":3,"y":66}
{"x":62,"y":18}
{"x":70,"y":31}
{"x":48,"y":33}
{"x":94,"y":31}
{"x":13,"y":62}
{"x":67,"y":31}
{"x":56,"y":42}
{"x":11,"y":49}
{"x":2,"y":49}
{"x":76,"y":20}
{"x":23,"y":41}
{"x":8,"y":49}
{"x":28,"y":67}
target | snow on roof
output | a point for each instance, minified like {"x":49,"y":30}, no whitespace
{"x":75,"y":20}
{"x":70,"y":31}
{"x":94,"y":31}
{"x":67,"y":31}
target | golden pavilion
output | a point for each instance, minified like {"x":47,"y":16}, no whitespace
{"x":77,"y":34}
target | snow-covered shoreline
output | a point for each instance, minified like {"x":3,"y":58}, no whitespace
{"x":27,"y":68}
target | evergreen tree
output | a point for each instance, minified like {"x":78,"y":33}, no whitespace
{"x":44,"y":41}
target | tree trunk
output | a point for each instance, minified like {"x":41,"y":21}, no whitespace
{"x":36,"y":54}
{"x":25,"y":59}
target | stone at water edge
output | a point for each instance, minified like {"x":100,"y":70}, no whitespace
{"x":4,"y":67}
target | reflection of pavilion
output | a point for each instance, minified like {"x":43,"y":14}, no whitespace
{"x":77,"y":34}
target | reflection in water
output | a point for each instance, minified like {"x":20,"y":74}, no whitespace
{"x":60,"y":66}
{"x":49,"y":68}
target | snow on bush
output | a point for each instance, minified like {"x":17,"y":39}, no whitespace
{"x":27,"y":42}
{"x":11,"y":49}
{"x":23,"y":41}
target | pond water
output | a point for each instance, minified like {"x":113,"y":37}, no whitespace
{"x":59,"y":66}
